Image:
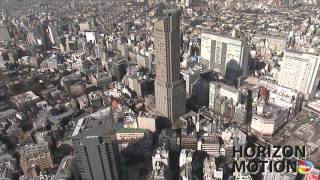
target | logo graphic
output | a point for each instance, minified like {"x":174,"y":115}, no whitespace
{"x":305,"y":166}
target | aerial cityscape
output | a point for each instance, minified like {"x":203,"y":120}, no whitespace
{"x":159,"y":89}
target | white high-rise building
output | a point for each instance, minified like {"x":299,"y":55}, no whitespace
{"x":213,"y":93}
{"x":190,"y":75}
{"x":300,"y":71}
{"x":224,"y":53}
{"x":220,"y":89}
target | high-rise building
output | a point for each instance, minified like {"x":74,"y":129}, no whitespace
{"x":190,"y":76}
{"x":246,"y":100}
{"x":226,"y":55}
{"x":170,"y":88}
{"x":118,"y":69}
{"x":95,"y":154}
{"x":53,"y":35}
{"x":220,"y":89}
{"x":36,"y":155}
{"x":300,"y":71}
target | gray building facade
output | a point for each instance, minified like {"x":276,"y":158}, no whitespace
{"x":96,"y":154}
{"x":170,"y":88}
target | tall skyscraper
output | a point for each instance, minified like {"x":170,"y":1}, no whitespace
{"x":227,"y":56}
{"x":300,"y":71}
{"x":95,"y":154}
{"x":170,"y":88}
